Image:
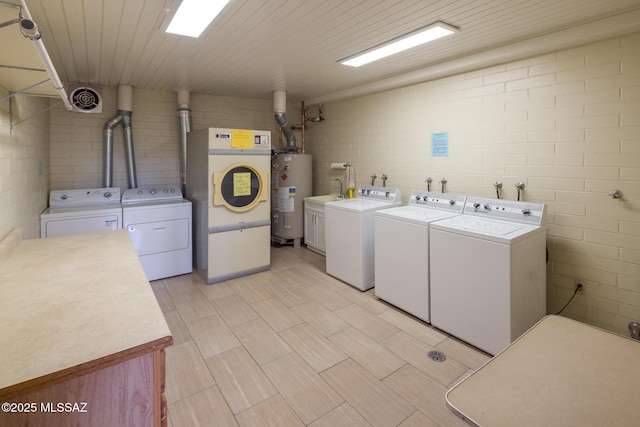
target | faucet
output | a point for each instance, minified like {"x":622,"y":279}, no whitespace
{"x":384,"y":180}
{"x":340,"y":194}
{"x":373,"y":179}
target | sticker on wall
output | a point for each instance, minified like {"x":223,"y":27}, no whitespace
{"x":440,"y":144}
{"x":241,"y":139}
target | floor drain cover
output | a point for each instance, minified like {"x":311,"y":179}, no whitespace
{"x":437,"y":356}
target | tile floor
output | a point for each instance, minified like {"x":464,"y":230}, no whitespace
{"x":293,"y":346}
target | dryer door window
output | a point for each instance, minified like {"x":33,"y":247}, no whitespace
{"x":239,"y":188}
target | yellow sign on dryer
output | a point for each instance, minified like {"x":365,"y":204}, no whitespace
{"x":241,"y":139}
{"x":242,"y":184}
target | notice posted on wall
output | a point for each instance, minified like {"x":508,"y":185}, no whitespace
{"x":286,"y":199}
{"x":440,"y":144}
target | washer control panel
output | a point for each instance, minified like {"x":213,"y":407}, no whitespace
{"x":443,"y":201}
{"x":84,"y":197}
{"x":523,"y":212}
{"x":382,"y":194}
{"x":151,"y":193}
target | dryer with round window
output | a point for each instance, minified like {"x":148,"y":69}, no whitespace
{"x":228,"y":172}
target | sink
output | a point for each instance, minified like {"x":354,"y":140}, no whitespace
{"x":323,"y":199}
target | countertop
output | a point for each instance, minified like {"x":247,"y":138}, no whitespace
{"x":323,"y":199}
{"x":71,"y":305}
{"x":559,"y":373}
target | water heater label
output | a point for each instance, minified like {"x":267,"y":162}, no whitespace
{"x":285,"y":199}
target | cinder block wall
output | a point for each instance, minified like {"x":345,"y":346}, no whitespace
{"x":77,"y":139}
{"x":24,"y":164}
{"x":567,"y":124}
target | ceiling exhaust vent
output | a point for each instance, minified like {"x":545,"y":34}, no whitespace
{"x":85,"y":99}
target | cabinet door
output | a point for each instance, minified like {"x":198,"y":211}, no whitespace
{"x":309,"y":226}
{"x":319,"y":229}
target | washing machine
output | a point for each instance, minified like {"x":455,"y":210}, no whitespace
{"x":81,"y":211}
{"x":158,"y":220}
{"x":228,"y":181}
{"x":488,"y":272}
{"x":350,"y":234}
{"x":402,"y":249}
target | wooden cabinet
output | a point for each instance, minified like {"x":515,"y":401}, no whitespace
{"x":314,"y":226}
{"x":83,"y":335}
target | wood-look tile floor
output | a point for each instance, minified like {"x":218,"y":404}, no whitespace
{"x":294,"y":346}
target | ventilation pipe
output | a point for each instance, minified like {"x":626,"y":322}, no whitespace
{"x":125,"y":107}
{"x":184,"y":126}
{"x":280,"y":108}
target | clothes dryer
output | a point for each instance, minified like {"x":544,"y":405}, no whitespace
{"x":350,"y":234}
{"x":488,"y":272}
{"x":402,"y":249}
{"x":158,"y":220}
{"x":228,"y":172}
{"x":81,"y":211}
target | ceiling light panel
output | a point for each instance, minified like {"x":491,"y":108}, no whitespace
{"x":194,"y":16}
{"x":408,"y":41}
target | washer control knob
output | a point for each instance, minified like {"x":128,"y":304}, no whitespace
{"x":487,"y":206}
{"x":153,"y":191}
{"x":526,"y":211}
{"x":165,"y":191}
{"x":107,"y":195}
{"x":418,"y":197}
{"x":386,"y":194}
{"x":476,"y":205}
{"x":140,"y":192}
{"x":452,"y":202}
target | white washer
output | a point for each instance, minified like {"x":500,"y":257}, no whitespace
{"x":81,"y":211}
{"x":349,"y":234}
{"x":402,"y":249}
{"x":158,"y":220}
{"x":488,"y":272}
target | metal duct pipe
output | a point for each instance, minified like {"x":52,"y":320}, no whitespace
{"x":130,"y":157}
{"x":108,"y":149}
{"x":184,"y":126}
{"x":125,"y":105}
{"x":280,"y":107}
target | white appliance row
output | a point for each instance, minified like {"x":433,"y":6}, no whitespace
{"x":402,"y":249}
{"x":472,"y":267}
{"x":157,"y":218}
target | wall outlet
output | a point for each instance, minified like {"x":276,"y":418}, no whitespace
{"x":579,"y":285}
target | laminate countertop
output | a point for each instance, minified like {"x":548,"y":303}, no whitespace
{"x":72,"y":305}
{"x":559,"y":373}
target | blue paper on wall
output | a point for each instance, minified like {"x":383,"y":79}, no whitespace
{"x":440,"y":144}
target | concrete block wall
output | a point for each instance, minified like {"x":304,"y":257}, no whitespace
{"x":24,"y":164}
{"x":567,"y":124}
{"x":77,"y":138}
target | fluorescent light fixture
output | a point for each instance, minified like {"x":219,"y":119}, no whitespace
{"x":193,"y":16}
{"x":416,"y":38}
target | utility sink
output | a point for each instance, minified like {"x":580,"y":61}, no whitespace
{"x":323,"y":199}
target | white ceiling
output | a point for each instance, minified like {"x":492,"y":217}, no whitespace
{"x":257,"y":46}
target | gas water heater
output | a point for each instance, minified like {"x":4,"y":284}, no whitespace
{"x":291,"y":177}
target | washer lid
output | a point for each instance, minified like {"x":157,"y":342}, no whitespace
{"x":414,"y":214}
{"x":487,"y":229}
